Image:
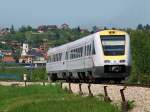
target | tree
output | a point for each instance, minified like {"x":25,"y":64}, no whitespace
{"x":95,"y":29}
{"x":147,"y":27}
{"x":12,"y":29}
{"x":140,"y":27}
{"x":79,"y":29}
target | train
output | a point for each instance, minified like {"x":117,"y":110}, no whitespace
{"x":101,"y":56}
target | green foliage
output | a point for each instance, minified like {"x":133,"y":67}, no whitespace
{"x":140,"y":45}
{"x":38,"y":74}
{"x":48,"y":99}
{"x":55,"y":37}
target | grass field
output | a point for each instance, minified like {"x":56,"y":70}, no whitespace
{"x":48,"y":99}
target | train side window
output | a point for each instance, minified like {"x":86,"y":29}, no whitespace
{"x":90,"y":49}
{"x":60,"y":54}
{"x":50,"y":58}
{"x":71,"y":54}
{"x":74,"y":53}
{"x":85,"y":51}
{"x":93,"y":48}
{"x":66,"y":57}
{"x":56,"y":57}
{"x":81,"y":51}
{"x":78,"y":53}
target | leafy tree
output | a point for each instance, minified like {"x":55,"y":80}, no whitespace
{"x":140,"y":27}
{"x":12,"y":30}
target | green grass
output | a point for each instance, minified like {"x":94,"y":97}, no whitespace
{"x":48,"y":99}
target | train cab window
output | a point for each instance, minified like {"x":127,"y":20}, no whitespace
{"x":113,"y":45}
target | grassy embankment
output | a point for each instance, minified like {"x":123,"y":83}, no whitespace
{"x":48,"y":99}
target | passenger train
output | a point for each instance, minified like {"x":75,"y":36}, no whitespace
{"x":102,"y":56}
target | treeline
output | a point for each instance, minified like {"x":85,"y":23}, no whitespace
{"x":54,"y":37}
{"x":140,"y":45}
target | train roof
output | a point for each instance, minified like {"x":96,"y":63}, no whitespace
{"x":83,"y":39}
{"x":67,"y":45}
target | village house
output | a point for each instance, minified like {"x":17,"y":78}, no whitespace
{"x":35,"y":56}
{"x":44,"y":28}
{"x":8,"y":59}
{"x":4,"y":31}
{"x":64,"y":26}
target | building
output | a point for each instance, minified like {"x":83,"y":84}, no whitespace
{"x":50,"y":27}
{"x":44,"y":28}
{"x":64,"y":26}
{"x":7,"y":52}
{"x":8,"y":59}
{"x":26,"y":59}
{"x":4,"y":31}
{"x":25,"y":49}
{"x":39,"y":57}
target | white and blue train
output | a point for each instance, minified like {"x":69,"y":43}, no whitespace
{"x":102,"y":56}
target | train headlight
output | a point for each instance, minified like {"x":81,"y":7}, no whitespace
{"x":106,"y":61}
{"x":122,"y":61}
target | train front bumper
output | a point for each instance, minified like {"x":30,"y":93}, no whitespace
{"x":112,"y":71}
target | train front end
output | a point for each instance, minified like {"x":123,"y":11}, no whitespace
{"x":116,"y":54}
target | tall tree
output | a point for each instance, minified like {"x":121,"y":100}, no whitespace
{"x":12,"y":30}
{"x":140,"y":27}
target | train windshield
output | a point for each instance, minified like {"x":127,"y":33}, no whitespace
{"x":113,"y":44}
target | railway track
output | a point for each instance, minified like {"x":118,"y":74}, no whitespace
{"x":117,"y":93}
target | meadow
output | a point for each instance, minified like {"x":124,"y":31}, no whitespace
{"x":49,"y":98}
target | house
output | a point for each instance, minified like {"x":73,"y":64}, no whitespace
{"x":8,"y":59}
{"x":49,"y":27}
{"x":38,"y":57}
{"x":7,"y":52}
{"x":44,"y":28}
{"x":64,"y":26}
{"x":15,"y":44}
{"x":26,"y":59}
{"x":4,"y":31}
{"x":84,"y":30}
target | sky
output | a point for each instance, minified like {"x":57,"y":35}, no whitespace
{"x":83,"y":13}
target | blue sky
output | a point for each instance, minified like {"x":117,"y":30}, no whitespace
{"x":84,"y":13}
